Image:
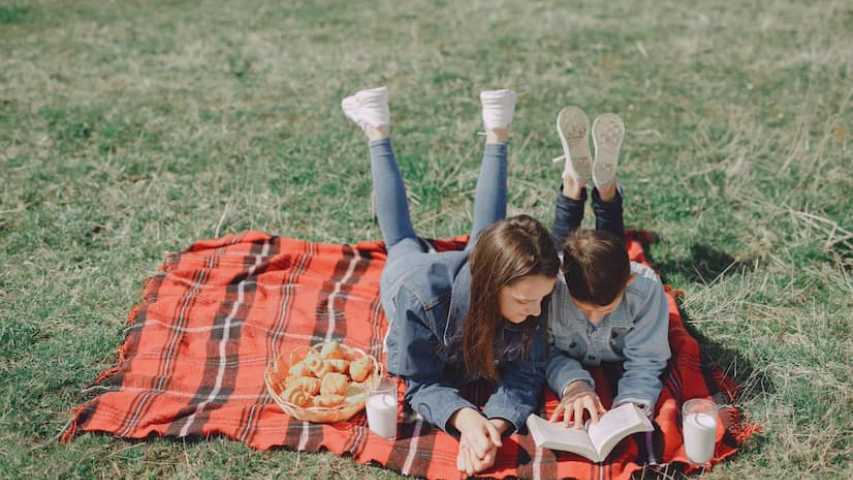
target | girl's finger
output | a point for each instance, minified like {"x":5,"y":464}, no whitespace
{"x":494,"y":435}
{"x":472,"y":461}
{"x":463,"y":457}
{"x":556,"y":414}
{"x":578,"y":414}
{"x":480,"y":444}
{"x":593,"y":410}
{"x":567,"y":415}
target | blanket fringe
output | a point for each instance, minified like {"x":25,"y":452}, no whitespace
{"x":742,"y":431}
{"x":70,"y":430}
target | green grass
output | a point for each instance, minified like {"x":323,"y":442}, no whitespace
{"x":128,"y":130}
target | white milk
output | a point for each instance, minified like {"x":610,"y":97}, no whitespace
{"x":700,"y":435}
{"x":382,"y":414}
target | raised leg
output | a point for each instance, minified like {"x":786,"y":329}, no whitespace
{"x":392,"y":207}
{"x":608,"y":213}
{"x":369,"y":110}
{"x":490,"y":195}
{"x":569,"y":210}
{"x":491,"y":192}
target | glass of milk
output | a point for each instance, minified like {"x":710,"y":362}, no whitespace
{"x":699,"y":427}
{"x":382,"y":408}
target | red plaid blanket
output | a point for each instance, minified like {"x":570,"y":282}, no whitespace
{"x":216,"y":314}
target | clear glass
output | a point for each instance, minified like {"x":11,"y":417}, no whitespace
{"x":381,"y":408}
{"x":700,"y":421}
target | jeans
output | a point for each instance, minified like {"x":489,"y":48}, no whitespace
{"x":392,"y":207}
{"x":568,"y":215}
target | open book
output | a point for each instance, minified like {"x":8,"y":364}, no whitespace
{"x":596,"y":440}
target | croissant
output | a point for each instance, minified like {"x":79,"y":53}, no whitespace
{"x":310,"y":385}
{"x":299,"y":369}
{"x":297,"y":396}
{"x":332,"y":350}
{"x":334,"y":384}
{"x":328,"y":400}
{"x":338,"y":365}
{"x":360,"y":369}
{"x":323,"y":369}
{"x":312,"y":361}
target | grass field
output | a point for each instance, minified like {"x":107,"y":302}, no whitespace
{"x":130,"y":129}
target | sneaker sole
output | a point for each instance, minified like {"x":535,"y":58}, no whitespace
{"x":573,"y":127}
{"x":608,"y":131}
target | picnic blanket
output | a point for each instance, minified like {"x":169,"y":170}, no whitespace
{"x":216,"y":314}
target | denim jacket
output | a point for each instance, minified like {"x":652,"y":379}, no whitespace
{"x":636,"y":333}
{"x":426,"y":298}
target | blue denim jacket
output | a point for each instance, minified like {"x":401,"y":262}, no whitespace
{"x":636,"y":333}
{"x":426,"y":298}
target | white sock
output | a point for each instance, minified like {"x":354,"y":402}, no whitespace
{"x":368,"y":108}
{"x":498,"y":107}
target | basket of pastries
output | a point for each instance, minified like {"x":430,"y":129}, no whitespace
{"x":324,"y":383}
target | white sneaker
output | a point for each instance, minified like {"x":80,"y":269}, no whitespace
{"x":498,"y":107}
{"x":368,"y":108}
{"x":608,"y":130}
{"x":573,"y":127}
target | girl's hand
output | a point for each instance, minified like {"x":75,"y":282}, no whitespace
{"x":579,"y":397}
{"x":468,"y":462}
{"x":478,"y":442}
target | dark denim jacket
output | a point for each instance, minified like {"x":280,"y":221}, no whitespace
{"x":635,"y":333}
{"x":426,"y":298}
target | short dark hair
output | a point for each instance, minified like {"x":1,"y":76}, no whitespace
{"x":596,"y":266}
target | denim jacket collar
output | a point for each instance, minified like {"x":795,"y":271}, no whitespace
{"x":617,"y":318}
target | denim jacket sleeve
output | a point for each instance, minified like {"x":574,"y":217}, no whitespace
{"x":520,"y":386}
{"x":417,"y":361}
{"x":646,"y":352}
{"x":563,"y":370}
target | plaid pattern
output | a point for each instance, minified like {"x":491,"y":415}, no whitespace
{"x":216,"y":314}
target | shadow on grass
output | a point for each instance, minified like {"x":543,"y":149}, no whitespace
{"x":704,"y":265}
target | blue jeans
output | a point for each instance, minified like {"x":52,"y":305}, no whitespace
{"x":568,"y":215}
{"x":392,"y":207}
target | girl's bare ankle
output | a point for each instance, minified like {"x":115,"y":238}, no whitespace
{"x":380,"y":133}
{"x":573,"y":187}
{"x":497,"y":135}
{"x":607,"y":193}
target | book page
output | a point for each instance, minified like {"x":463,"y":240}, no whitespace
{"x":615,"y":425}
{"x":557,"y":437}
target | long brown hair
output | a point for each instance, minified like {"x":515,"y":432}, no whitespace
{"x":596,"y":266}
{"x":505,"y":252}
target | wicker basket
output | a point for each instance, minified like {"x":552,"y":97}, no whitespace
{"x":356,"y":396}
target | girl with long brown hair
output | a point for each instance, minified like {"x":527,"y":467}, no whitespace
{"x":456,"y":317}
